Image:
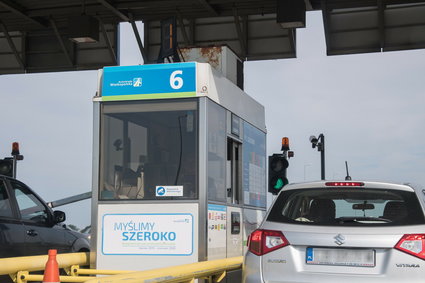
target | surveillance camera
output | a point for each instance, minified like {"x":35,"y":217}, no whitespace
{"x":313,"y":141}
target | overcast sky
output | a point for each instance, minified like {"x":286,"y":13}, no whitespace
{"x":370,"y":107}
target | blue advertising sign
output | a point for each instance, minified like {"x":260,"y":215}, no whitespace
{"x":149,"y":81}
{"x":170,"y":234}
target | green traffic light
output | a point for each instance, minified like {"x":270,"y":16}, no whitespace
{"x":277,"y":173}
{"x":279,"y":184}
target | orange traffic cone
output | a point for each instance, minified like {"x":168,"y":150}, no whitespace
{"x":51,"y":271}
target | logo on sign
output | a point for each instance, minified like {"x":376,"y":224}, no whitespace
{"x":137,"y":82}
{"x":160,"y":191}
{"x":169,"y":191}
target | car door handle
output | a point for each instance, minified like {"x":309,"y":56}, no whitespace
{"x":32,"y":233}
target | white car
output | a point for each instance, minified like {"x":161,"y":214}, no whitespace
{"x":343,"y":232}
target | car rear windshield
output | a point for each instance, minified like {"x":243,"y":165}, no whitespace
{"x":347,"y":206}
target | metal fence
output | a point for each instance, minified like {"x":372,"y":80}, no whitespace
{"x":19,"y":269}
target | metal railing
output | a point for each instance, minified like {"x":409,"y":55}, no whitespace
{"x":214,"y":271}
{"x":19,"y":269}
{"x":14,"y":265}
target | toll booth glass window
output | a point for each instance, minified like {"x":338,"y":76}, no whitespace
{"x":149,"y":150}
{"x":216,"y":152}
{"x":235,"y":228}
{"x":254,"y":166}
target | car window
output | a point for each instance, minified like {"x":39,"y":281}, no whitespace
{"x":342,"y":206}
{"x":5,"y":208}
{"x":29,"y":205}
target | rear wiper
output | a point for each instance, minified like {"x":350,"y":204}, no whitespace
{"x":359,"y":219}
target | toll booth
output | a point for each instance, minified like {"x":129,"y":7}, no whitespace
{"x":179,"y":171}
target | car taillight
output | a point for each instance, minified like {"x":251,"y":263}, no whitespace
{"x":265,"y":241}
{"x":413,"y":244}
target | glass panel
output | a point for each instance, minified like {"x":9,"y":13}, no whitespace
{"x":5,"y":209}
{"x":149,"y":150}
{"x":236,"y":125}
{"x":235,"y":223}
{"x":30,"y":207}
{"x":233,"y":172}
{"x":254,"y":166}
{"x":346,"y":207}
{"x":216,"y":152}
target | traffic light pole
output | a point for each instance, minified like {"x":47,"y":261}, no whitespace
{"x":16,"y":156}
{"x":15,"y":159}
{"x":322,"y":156}
{"x":320,"y":144}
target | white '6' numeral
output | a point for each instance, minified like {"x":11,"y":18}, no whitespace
{"x":176,"y":82}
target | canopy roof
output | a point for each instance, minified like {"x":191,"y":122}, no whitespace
{"x":34,"y":34}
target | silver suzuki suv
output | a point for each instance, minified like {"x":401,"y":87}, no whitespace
{"x":343,"y":232}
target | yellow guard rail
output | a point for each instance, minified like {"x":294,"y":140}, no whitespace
{"x":214,"y":269}
{"x":19,"y":267}
{"x":12,"y":265}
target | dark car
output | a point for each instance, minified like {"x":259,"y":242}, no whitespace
{"x":29,"y":227}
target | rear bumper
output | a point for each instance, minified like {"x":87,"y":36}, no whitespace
{"x":316,"y":278}
{"x":288,"y":273}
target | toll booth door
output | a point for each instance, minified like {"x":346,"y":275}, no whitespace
{"x":234,"y":232}
{"x":234,"y":189}
{"x":234,"y":173}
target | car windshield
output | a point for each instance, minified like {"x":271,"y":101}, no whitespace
{"x":342,"y":206}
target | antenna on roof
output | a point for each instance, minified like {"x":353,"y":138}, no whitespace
{"x":347,"y":178}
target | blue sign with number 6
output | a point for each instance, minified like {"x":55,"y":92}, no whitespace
{"x":149,"y":81}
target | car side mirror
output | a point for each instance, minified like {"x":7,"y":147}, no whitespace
{"x":59,"y":216}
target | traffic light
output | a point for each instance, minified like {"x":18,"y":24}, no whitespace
{"x":277,"y":173}
{"x":6,"y":167}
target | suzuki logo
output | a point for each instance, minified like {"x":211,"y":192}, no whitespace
{"x":339,"y":239}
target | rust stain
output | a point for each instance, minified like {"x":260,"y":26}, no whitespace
{"x":212,"y":54}
{"x":208,"y":54}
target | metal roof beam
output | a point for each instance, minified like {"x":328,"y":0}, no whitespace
{"x":240,"y":33}
{"x":12,"y":45}
{"x":108,"y":42}
{"x":326,"y":24}
{"x":245,"y":34}
{"x":62,"y":44}
{"x":149,"y":4}
{"x":14,"y":8}
{"x":183,"y":29}
{"x":381,"y":23}
{"x":138,"y":39}
{"x":208,"y":7}
{"x":292,"y":39}
{"x":192,"y":29}
{"x":338,"y":4}
{"x":114,"y":10}
{"x":308,"y":5}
